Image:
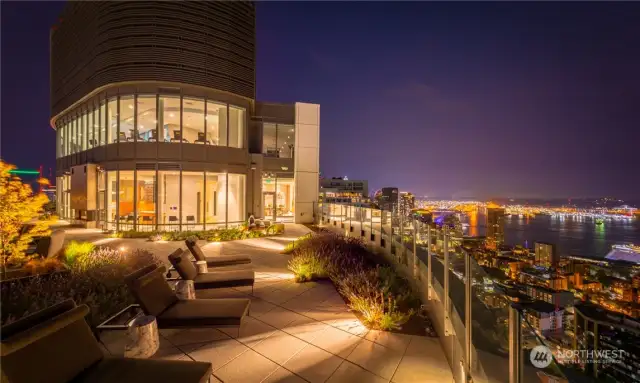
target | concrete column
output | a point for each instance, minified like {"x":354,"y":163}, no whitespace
{"x":306,"y":160}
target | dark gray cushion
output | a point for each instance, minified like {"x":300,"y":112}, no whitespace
{"x":183,"y":265}
{"x":224,"y":279}
{"x":152,"y":291}
{"x":216,"y":261}
{"x":124,"y":370}
{"x":204,"y":312}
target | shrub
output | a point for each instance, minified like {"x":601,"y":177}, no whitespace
{"x":383,"y":298}
{"x":38,"y":266}
{"x":75,"y":250}
{"x":276,"y":228}
{"x":306,"y":267}
{"x":207,"y":235}
{"x":96,"y":280}
{"x":291,"y":246}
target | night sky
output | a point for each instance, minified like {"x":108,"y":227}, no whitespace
{"x":442,"y":99}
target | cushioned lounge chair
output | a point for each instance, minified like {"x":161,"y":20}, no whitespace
{"x":156,"y":298}
{"x":56,"y":345}
{"x":183,"y":265}
{"x":229,"y":260}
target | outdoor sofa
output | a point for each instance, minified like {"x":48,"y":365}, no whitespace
{"x":211,"y":280}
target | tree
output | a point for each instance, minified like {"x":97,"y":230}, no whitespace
{"x":19,"y":210}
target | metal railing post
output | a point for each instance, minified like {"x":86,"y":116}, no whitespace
{"x":467,"y":313}
{"x":447,"y":308}
{"x":429,"y":270}
{"x":416,"y":226}
{"x":515,"y":346}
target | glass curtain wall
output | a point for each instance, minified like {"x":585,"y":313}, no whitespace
{"x":236,"y":199}
{"x":102,"y":198}
{"x":152,"y":118}
{"x":278,"y":140}
{"x":146,"y":200}
{"x":147,"y":119}
{"x":192,"y":200}
{"x":193,"y":120}
{"x":112,"y":198}
{"x":126,"y":191}
{"x":215,"y":201}
{"x":216,"y":124}
{"x":169,"y":200}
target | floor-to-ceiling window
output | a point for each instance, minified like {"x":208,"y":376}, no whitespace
{"x":112,"y":121}
{"x":147,"y":119}
{"x":102,"y":199}
{"x":170,"y":119}
{"x":286,"y":140}
{"x":215,"y":204}
{"x":125,"y":200}
{"x":169,"y":200}
{"x":236,"y":199}
{"x":127,"y":112}
{"x":193,"y":121}
{"x":278,"y":197}
{"x":95,"y":122}
{"x":112,"y":195}
{"x":146,"y":200}
{"x":269,"y":140}
{"x":236,"y":127}
{"x":216,"y":124}
{"x":192,"y":200}
{"x":103,"y":124}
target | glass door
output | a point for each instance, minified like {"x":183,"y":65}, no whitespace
{"x":269,"y":203}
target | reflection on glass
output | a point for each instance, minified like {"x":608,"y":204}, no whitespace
{"x":146,"y":201}
{"x":112,"y":121}
{"x":192,"y":200}
{"x":284,"y":197}
{"x":193,"y":120}
{"x":127,"y":129}
{"x":269,"y":141}
{"x":286,"y":140}
{"x":169,"y":200}
{"x":170,"y":119}
{"x":103,"y":124}
{"x":216,"y":124}
{"x":147,"y":119}
{"x":95,"y":139}
{"x":112,"y":193}
{"x":125,"y":203}
{"x":236,"y":127}
{"x":215,"y":208}
{"x":236,"y":195}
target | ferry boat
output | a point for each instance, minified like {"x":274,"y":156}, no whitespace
{"x":629,"y":253}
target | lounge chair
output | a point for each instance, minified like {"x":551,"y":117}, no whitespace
{"x":183,"y":265}
{"x":156,"y":298}
{"x":56,"y":345}
{"x":220,"y":261}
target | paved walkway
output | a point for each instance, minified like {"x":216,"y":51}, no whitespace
{"x":295,"y":332}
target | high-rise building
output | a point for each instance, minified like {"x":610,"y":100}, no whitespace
{"x":387,"y":199}
{"x":338,"y":189}
{"x":157,"y":123}
{"x":407,"y":203}
{"x":545,"y":255}
{"x":495,"y":226}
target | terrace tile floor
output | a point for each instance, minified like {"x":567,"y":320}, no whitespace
{"x":295,"y":332}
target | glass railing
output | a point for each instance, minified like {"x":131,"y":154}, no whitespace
{"x":470,"y":302}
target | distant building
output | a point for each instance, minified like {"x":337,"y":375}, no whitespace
{"x":545,"y":255}
{"x":554,"y":297}
{"x":544,"y":317}
{"x":495,"y":227}
{"x":606,"y":331}
{"x":338,"y":189}
{"x":407,"y":203}
{"x":387,"y":199}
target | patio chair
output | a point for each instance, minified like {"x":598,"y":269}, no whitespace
{"x":156,"y":298}
{"x":218,"y":261}
{"x":217,"y":279}
{"x":191,"y":220}
{"x":56,"y":345}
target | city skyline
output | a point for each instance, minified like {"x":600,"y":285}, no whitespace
{"x":510,"y":104}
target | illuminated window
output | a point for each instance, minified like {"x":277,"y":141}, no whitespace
{"x":169,"y":200}
{"x":215,"y":204}
{"x":236,"y":127}
{"x":170,"y":119}
{"x":216,"y":124}
{"x":146,"y":200}
{"x":125,"y":201}
{"x":103,"y":125}
{"x":147,"y":118}
{"x":112,"y":121}
{"x":127,"y":129}
{"x":192,"y":200}
{"x":235,"y":199}
{"x":286,"y":141}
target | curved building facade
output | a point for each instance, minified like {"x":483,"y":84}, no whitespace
{"x":157,"y":126}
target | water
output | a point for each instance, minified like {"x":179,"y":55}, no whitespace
{"x":571,"y":235}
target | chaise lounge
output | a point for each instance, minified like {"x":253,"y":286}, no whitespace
{"x":183,"y":265}
{"x":56,"y":345}
{"x":156,"y":298}
{"x":219,"y":261}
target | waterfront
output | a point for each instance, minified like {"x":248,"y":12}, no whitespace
{"x":571,"y":235}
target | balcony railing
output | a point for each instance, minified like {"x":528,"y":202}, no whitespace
{"x":485,"y":335}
